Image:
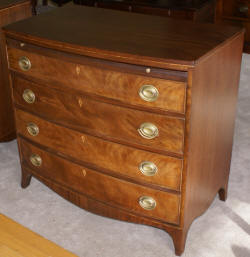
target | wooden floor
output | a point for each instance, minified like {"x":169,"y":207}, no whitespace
{"x":18,"y":241}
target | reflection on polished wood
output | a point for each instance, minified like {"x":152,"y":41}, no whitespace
{"x":101,"y":144}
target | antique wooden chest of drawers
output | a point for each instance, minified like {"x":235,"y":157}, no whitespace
{"x":134,"y":123}
{"x":10,"y":11}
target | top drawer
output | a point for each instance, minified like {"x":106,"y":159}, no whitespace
{"x":136,"y":90}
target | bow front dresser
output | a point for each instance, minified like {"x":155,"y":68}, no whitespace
{"x":126,"y":115}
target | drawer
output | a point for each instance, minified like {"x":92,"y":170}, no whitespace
{"x":130,"y":163}
{"x":99,"y":186}
{"x":136,"y":90}
{"x":111,"y":122}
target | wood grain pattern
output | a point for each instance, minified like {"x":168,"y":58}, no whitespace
{"x":101,"y":154}
{"x":5,"y":4}
{"x":176,"y":75}
{"x":212,"y":108}
{"x":120,"y":86}
{"x":10,"y":11}
{"x":178,"y":234}
{"x":101,"y":119}
{"x":89,"y":182}
{"x":18,"y":241}
{"x":200,"y":138}
{"x":101,"y":208}
{"x":163,"y":43}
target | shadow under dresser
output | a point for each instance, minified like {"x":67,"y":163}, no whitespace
{"x":126,"y":115}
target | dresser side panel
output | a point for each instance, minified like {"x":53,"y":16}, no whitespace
{"x":213,"y":108}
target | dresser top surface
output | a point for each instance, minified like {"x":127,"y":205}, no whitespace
{"x":121,"y":36}
{"x":8,"y":3}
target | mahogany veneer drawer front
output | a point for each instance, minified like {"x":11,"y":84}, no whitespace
{"x":124,"y":87}
{"x":156,"y":132}
{"x":121,"y":160}
{"x":132,"y":120}
{"x":89,"y":182}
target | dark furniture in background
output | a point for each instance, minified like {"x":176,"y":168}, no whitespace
{"x":133,"y":118}
{"x":236,"y":13}
{"x":34,"y":4}
{"x":58,"y":2}
{"x":10,"y":11}
{"x":195,"y":10}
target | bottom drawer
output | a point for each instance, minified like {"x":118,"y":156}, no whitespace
{"x":132,"y":197}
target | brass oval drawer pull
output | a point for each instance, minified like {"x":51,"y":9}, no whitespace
{"x":36,"y":160}
{"x":148,"y":93}
{"x":32,"y":129}
{"x":148,"y":130}
{"x":24,"y":63}
{"x":29,"y":96}
{"x":147,"y":202}
{"x":148,"y":168}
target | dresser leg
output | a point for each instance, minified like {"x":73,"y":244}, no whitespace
{"x":223,"y":192}
{"x":26,"y":177}
{"x":179,"y":240}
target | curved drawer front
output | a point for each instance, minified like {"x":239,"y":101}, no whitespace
{"x":101,"y":187}
{"x":120,"y":86}
{"x":127,"y":161}
{"x":101,"y":119}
